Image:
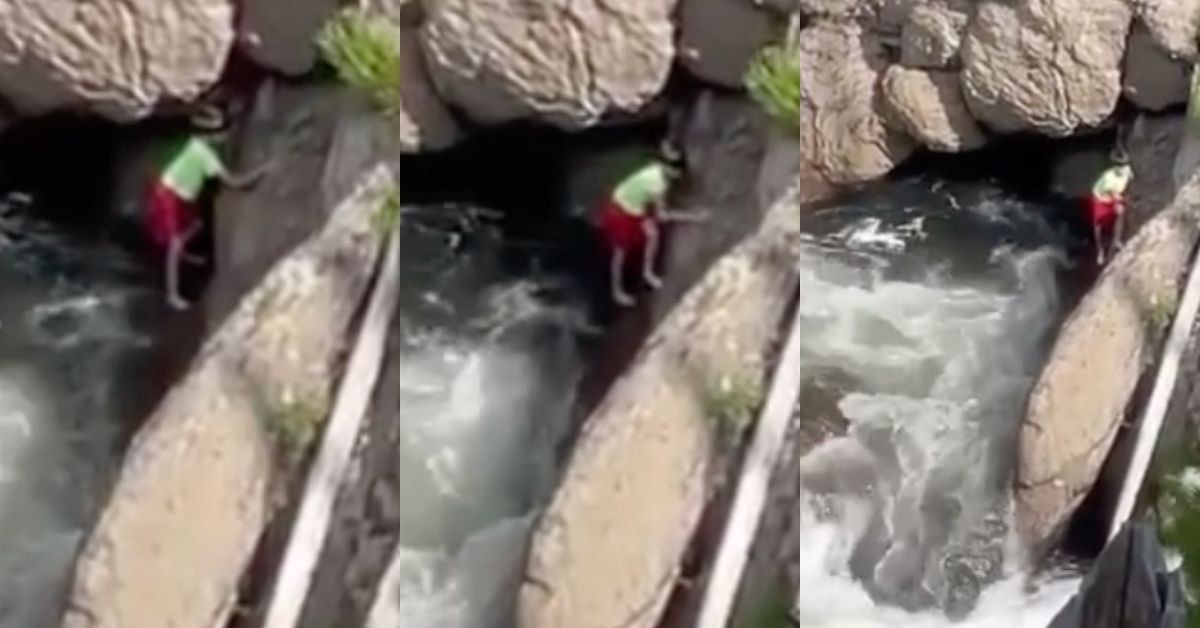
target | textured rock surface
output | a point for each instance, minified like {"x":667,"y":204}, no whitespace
{"x":1153,"y":80}
{"x":1050,"y":66}
{"x":196,"y":488}
{"x":607,"y":550}
{"x":425,"y":122}
{"x":119,"y":58}
{"x":566,"y":63}
{"x":1077,"y":405}
{"x":323,"y":143}
{"x":843,"y":134}
{"x":929,"y":106}
{"x":932,"y":34}
{"x":719,"y":37}
{"x":281,"y":35}
{"x":1174,"y":24}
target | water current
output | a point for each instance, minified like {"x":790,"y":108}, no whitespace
{"x":927,"y":310}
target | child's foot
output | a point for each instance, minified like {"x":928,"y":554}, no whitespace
{"x":623,"y":299}
{"x":178,"y":303}
{"x":653,"y":280}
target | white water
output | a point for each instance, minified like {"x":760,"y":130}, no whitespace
{"x":485,"y":406}
{"x":68,"y":336}
{"x":929,"y":364}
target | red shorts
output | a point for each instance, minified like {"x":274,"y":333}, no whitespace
{"x":622,"y":230}
{"x":1103,"y":213}
{"x":167,"y":215}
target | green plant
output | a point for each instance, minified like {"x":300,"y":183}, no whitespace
{"x":364,"y":50}
{"x":773,"y":81}
{"x":387,"y":216}
{"x":1162,"y":312}
{"x":1178,"y":508}
{"x":772,"y":611}
{"x":294,"y":424}
{"x":731,"y":400}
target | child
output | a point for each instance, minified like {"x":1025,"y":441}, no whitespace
{"x":631,"y":217}
{"x":172,"y":212}
{"x":1106,"y":206}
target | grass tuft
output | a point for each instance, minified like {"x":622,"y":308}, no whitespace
{"x":364,"y":50}
{"x":773,"y":81}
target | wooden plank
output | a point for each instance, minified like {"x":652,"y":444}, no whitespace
{"x":1155,"y":410}
{"x":770,"y":434}
{"x":325,"y":477}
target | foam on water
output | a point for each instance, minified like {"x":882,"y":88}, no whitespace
{"x":488,"y":375}
{"x":905,"y":516}
{"x":67,"y":339}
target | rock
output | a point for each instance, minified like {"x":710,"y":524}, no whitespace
{"x":607,"y":550}
{"x":831,"y":8}
{"x":118,"y":58}
{"x":196,"y":490}
{"x":1173,"y":24}
{"x":1153,"y":142}
{"x":932,"y":35}
{"x":1077,"y":405}
{"x":1153,"y":80}
{"x":1050,"y":66}
{"x":425,"y":122}
{"x":323,"y":143}
{"x":564,"y":63}
{"x":842,"y":131}
{"x":282,"y":35}
{"x":613,"y":536}
{"x":929,"y":106}
{"x":719,"y":37}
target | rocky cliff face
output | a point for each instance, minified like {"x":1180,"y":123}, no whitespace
{"x":947,"y":74}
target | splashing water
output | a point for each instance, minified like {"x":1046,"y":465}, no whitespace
{"x":488,"y":375}
{"x":927,"y":335}
{"x":74,"y":321}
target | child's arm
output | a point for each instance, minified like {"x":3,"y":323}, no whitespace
{"x":247,"y":178}
{"x":666,"y":215}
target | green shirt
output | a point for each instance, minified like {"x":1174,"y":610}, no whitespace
{"x":1112,"y":183}
{"x":647,"y":185}
{"x":189,"y":166}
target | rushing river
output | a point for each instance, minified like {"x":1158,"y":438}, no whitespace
{"x":78,"y":324}
{"x":927,"y":310}
{"x":489,"y":367}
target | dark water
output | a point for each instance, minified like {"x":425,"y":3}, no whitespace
{"x":80,"y":364}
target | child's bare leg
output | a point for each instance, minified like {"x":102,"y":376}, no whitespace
{"x":187,"y":239}
{"x":615,"y":271}
{"x":650,"y":255}
{"x":174,"y":254}
{"x":1098,"y":238}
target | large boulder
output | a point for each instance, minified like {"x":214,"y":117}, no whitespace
{"x":1050,"y":66}
{"x":608,"y":548}
{"x":1153,"y":79}
{"x":118,"y":58}
{"x":425,"y":122}
{"x":929,"y":106}
{"x":1078,"y":404}
{"x":932,"y":34}
{"x":565,"y":63}
{"x":282,"y":35}
{"x":1174,"y":24}
{"x":202,"y":478}
{"x":719,"y":37}
{"x":842,"y":130}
